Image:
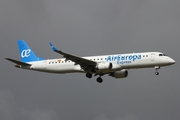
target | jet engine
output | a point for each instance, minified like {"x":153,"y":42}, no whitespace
{"x":119,"y":74}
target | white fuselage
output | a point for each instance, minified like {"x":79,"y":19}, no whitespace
{"x":120,"y":61}
{"x":115,"y":65}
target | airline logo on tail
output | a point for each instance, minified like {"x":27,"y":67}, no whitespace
{"x":25,"y":53}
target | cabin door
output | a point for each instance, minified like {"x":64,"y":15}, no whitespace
{"x":152,"y":56}
{"x":45,"y":64}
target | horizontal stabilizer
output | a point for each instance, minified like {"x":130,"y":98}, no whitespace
{"x":18,"y":62}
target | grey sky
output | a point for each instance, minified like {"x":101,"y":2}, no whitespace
{"x":89,"y":27}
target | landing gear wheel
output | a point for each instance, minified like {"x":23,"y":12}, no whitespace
{"x":157,"y":73}
{"x":99,"y":80}
{"x":88,"y":75}
{"x":157,"y":68}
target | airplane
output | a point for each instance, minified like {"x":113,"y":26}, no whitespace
{"x":115,"y":65}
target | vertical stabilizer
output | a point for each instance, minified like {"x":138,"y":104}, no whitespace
{"x":26,"y":54}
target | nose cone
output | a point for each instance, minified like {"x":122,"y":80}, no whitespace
{"x":171,"y":61}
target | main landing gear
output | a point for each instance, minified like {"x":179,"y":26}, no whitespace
{"x":99,"y":79}
{"x":88,"y":75}
{"x":157,"y":68}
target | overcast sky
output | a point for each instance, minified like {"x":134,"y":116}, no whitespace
{"x":89,"y":27}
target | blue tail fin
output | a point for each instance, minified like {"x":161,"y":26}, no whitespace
{"x":26,"y":54}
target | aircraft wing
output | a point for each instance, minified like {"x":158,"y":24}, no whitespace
{"x":84,"y":63}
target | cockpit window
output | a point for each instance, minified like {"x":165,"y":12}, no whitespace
{"x":162,"y":55}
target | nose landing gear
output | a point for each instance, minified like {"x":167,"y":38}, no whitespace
{"x":157,"y":73}
{"x":157,"y":68}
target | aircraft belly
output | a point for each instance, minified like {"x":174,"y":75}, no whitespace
{"x":62,"y":69}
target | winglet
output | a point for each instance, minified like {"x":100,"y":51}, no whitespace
{"x":53,"y":48}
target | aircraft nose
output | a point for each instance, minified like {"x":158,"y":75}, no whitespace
{"x":171,"y":61}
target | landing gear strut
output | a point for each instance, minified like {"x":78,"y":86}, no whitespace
{"x":88,"y":75}
{"x":157,"y":68}
{"x":99,"y":80}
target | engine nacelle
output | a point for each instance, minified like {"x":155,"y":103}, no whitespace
{"x":119,"y":74}
{"x":104,"y":66}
